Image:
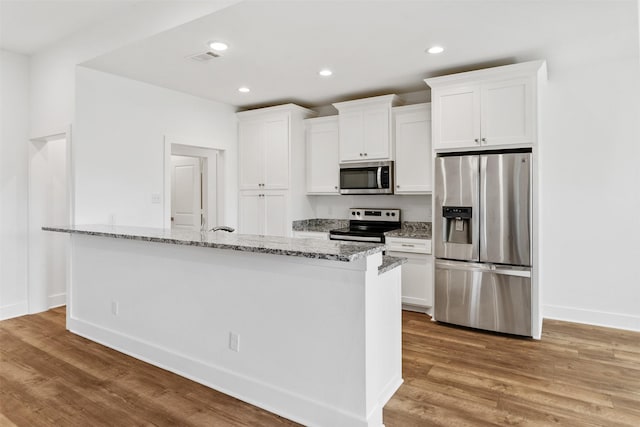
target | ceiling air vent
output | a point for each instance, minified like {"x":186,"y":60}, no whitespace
{"x":204,"y":56}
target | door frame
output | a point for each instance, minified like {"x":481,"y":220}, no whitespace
{"x":38,"y":298}
{"x":183,"y":146}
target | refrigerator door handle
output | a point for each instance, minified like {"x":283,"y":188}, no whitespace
{"x":487,"y":268}
{"x":465,"y":266}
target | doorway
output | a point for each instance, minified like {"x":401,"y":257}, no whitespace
{"x":49,"y":205}
{"x":193,"y":190}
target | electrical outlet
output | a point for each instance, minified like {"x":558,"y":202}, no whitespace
{"x":155,"y":198}
{"x":234,"y":341}
{"x":115,"y":308}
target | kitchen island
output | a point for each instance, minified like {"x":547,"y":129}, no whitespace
{"x":307,"y":329}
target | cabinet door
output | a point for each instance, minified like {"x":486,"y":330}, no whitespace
{"x":377,"y":136}
{"x":508,"y":112}
{"x":276,"y":221}
{"x":456,"y":117}
{"x":250,"y":156}
{"x":351,"y":134}
{"x":251,"y":213}
{"x":275,"y":133}
{"x":413,"y":151}
{"x":417,"y":279}
{"x":323,"y":157}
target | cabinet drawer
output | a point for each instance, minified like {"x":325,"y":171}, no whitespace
{"x":402,"y":244}
{"x":311,"y":235}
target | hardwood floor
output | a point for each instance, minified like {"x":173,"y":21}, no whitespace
{"x":576,"y":375}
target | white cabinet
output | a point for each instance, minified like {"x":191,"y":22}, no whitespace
{"x":365,"y":128}
{"x":263,"y":213}
{"x":417,"y":272}
{"x":323,"y":158}
{"x":264,"y":152}
{"x":412,"y":132}
{"x":271,"y":169}
{"x":484,"y":108}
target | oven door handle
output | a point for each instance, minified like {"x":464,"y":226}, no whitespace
{"x":354,"y":238}
{"x":379,"y":176}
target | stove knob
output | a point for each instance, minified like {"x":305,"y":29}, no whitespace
{"x":388,"y":214}
{"x":393,"y":214}
{"x":353,"y":213}
{"x":358,"y":213}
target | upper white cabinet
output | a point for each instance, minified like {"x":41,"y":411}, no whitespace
{"x":365,"y":128}
{"x":271,"y":169}
{"x":412,"y":137}
{"x":322,"y":155}
{"x":484,"y":108}
{"x":264,"y":152}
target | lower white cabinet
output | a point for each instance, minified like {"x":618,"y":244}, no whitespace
{"x":264,"y":213}
{"x":417,"y":272}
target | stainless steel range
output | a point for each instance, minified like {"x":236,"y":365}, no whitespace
{"x":368,"y":225}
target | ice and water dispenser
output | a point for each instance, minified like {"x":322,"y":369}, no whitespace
{"x":457,"y":224}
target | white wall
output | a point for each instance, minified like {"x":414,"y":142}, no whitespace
{"x":14,"y":113}
{"x":591,"y":190}
{"x":118,"y":144}
{"x":53,"y":69}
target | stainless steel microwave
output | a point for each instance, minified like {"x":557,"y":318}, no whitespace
{"x":366,"y":178}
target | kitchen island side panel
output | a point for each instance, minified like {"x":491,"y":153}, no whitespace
{"x":303,"y":324}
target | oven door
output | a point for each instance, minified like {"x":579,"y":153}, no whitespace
{"x":366,"y":178}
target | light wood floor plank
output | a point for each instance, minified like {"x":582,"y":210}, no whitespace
{"x":577,"y":375}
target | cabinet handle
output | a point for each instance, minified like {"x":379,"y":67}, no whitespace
{"x":484,"y":140}
{"x":336,"y":187}
{"x":360,"y":154}
{"x":476,"y":140}
{"x":365,"y":154}
{"x":397,"y":186}
{"x":407,"y":245}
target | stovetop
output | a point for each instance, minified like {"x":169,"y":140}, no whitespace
{"x":370,"y":223}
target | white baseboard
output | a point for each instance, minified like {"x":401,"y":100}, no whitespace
{"x":592,"y":317}
{"x":13,"y":310}
{"x":299,"y":408}
{"x":57,"y":300}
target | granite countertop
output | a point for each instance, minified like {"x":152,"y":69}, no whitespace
{"x":412,"y":230}
{"x":319,"y":225}
{"x":390,"y":262}
{"x":307,"y":248}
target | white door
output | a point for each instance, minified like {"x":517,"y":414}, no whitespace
{"x":251,"y":155}
{"x":276,"y":153}
{"x":456,"y":117}
{"x":413,"y":150}
{"x":323,"y":171}
{"x":376,"y":134}
{"x":186,"y":193}
{"x":508,"y":112}
{"x":351,"y":134}
{"x":275,"y":214}
{"x":251,"y":212}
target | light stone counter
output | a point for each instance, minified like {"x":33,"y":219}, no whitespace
{"x":307,"y":248}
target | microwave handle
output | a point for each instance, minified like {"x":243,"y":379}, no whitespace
{"x":379,"y":176}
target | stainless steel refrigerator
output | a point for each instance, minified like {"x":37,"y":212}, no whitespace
{"x":482,"y":241}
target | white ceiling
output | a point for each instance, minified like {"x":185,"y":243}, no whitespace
{"x":373,"y":47}
{"x":27,"y":26}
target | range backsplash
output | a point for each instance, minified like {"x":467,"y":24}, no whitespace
{"x":414,"y":208}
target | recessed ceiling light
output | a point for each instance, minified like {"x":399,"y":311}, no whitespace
{"x":244,"y":89}
{"x":435,"y":49}
{"x":219,"y":46}
{"x":325,"y":73}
